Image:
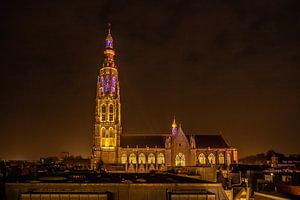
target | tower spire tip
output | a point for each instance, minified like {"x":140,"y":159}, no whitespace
{"x":174,"y":125}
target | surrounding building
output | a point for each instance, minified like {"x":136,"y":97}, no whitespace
{"x":110,"y":186}
{"x":146,"y":152}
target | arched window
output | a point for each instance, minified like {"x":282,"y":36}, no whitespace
{"x":124,"y":158}
{"x":103,"y":110}
{"x":111,"y":132}
{"x":142,"y":158}
{"x":111,"y":112}
{"x":103,"y":132}
{"x":228,"y":158}
{"x":132,"y":158}
{"x":221,"y":158}
{"x":113,"y":85}
{"x":180,"y":160}
{"x":107,"y":86}
{"x":102,"y":84}
{"x":151,"y":158}
{"x":211,"y":159}
{"x":160,"y":158}
{"x":202,"y":159}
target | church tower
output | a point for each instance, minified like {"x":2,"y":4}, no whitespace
{"x":108,"y":109}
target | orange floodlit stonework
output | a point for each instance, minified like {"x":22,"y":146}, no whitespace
{"x":146,"y":152}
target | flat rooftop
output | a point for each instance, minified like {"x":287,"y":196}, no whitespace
{"x":93,"y":177}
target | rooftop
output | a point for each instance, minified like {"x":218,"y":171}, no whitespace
{"x":93,"y":177}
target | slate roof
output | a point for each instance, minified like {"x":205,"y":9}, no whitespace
{"x":143,"y":141}
{"x":212,"y":141}
{"x":148,"y":140}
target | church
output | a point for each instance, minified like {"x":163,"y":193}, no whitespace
{"x":146,"y":152}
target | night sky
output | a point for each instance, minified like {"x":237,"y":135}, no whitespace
{"x":229,"y":67}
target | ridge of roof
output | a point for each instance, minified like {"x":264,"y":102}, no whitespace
{"x":146,"y":134}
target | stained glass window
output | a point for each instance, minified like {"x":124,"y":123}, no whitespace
{"x":202,"y":159}
{"x":221,"y":158}
{"x":212,"y":159}
{"x":142,"y":158}
{"x":109,"y":43}
{"x":107,"y":84}
{"x":132,"y":158}
{"x":228,"y":158}
{"x":113,"y":85}
{"x":180,"y":159}
{"x":160,"y":158}
{"x":151,"y":158}
{"x":102,"y":84}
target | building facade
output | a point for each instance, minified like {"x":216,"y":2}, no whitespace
{"x":146,"y":152}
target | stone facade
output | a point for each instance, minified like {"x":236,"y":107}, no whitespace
{"x":146,"y":152}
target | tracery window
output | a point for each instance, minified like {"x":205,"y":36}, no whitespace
{"x":102,"y":84}
{"x":180,"y":159}
{"x":142,"y":158}
{"x":160,"y":158}
{"x":221,"y":158}
{"x":103,"y":110}
{"x":111,"y":112}
{"x":228,"y":159}
{"x":202,"y":159}
{"x":211,"y":159}
{"x":113,"y":85}
{"x":107,"y":86}
{"x":151,"y":158}
{"x":111,"y":132}
{"x":132,"y":158}
{"x":124,"y":158}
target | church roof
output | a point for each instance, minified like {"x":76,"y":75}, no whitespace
{"x":143,"y":141}
{"x":212,"y":141}
{"x":155,"y":140}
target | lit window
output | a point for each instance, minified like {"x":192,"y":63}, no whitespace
{"x":124,"y":159}
{"x":132,"y":158}
{"x":228,"y":158}
{"x":142,"y":158}
{"x":113,"y":85}
{"x":109,"y":43}
{"x":107,"y":86}
{"x":180,"y":160}
{"x":221,"y":158}
{"x":202,"y":159}
{"x":211,"y":159}
{"x":102,"y":84}
{"x":160,"y":158}
{"x":151,"y":158}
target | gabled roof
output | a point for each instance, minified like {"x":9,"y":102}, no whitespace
{"x":212,"y":141}
{"x":180,"y":137}
{"x":143,"y":140}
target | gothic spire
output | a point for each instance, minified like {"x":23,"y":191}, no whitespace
{"x":109,"y":51}
{"x":109,"y":39}
{"x":174,"y":126}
